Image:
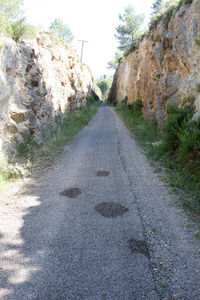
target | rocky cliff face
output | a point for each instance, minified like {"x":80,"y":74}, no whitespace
{"x":39,"y":81}
{"x":165,"y":67}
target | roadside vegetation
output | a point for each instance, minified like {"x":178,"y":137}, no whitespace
{"x":30,"y":154}
{"x":104,"y":85}
{"x":176,"y":145}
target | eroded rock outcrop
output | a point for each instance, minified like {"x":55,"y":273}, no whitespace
{"x":165,"y":67}
{"x":39,"y":81}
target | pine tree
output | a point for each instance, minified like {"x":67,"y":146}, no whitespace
{"x":62,"y":31}
{"x":129,"y":31}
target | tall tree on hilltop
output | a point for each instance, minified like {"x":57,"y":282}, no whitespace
{"x":129,"y":31}
{"x":62,"y":31}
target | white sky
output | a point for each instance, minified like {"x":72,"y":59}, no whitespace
{"x":90,"y":20}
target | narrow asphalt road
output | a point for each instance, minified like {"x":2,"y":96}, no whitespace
{"x":98,"y":225}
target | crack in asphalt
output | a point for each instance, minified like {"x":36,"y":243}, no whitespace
{"x":131,"y":184}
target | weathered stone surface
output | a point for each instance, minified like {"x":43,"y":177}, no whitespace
{"x":39,"y":81}
{"x":165,"y":67}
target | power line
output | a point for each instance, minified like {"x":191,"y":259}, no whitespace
{"x":82,"y":41}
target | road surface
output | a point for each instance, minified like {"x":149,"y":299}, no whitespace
{"x":98,"y":225}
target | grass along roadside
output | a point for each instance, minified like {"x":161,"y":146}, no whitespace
{"x":176,"y":146}
{"x":30,"y":154}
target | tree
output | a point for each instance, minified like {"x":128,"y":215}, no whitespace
{"x":104,"y":85}
{"x":114,"y":62}
{"x":11,"y":10}
{"x":158,"y":7}
{"x":22,"y":29}
{"x":129,"y":31}
{"x":62,"y":31}
{"x":12,"y":21}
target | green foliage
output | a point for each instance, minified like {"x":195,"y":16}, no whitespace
{"x":55,"y":138}
{"x":62,"y":31}
{"x":12,"y":22}
{"x":155,"y":38}
{"x":21,"y":29}
{"x":158,"y":7}
{"x":104,"y":85}
{"x":26,"y":148}
{"x":32,"y":153}
{"x":128,"y":32}
{"x":11,"y":10}
{"x":178,"y":117}
{"x":197,"y":42}
{"x":90,"y":99}
{"x":8,"y":170}
{"x":145,"y":131}
{"x":2,"y":45}
{"x":165,"y":10}
{"x":114,"y":62}
{"x":5,"y":27}
{"x":189,"y":138}
{"x":136,"y":106}
{"x":176,"y":145}
{"x":170,"y":12}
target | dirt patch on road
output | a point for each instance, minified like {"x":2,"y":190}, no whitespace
{"x":110,"y":209}
{"x":71,"y":193}
{"x":138,"y":246}
{"x":103,"y":173}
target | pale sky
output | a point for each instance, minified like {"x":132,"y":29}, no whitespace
{"x":90,"y":20}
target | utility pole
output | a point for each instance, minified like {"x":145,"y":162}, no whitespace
{"x":82,"y":41}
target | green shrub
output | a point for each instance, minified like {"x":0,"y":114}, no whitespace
{"x":189,"y":142}
{"x":9,"y":170}
{"x":155,"y":38}
{"x":27,"y":147}
{"x":22,"y":30}
{"x":176,"y":145}
{"x":197,"y":42}
{"x":178,"y":116}
{"x":5,"y":27}
{"x":55,"y":138}
{"x":168,"y":15}
{"x":125,"y":101}
{"x":136,"y":106}
{"x":90,"y":99}
{"x":187,"y":1}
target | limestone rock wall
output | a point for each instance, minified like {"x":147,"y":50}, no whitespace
{"x":165,"y":67}
{"x":39,"y":81}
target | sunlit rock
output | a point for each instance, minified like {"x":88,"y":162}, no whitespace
{"x":39,"y":81}
{"x":165,"y":67}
